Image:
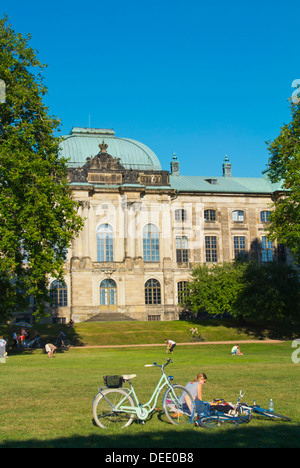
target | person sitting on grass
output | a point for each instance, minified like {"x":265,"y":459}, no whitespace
{"x":195,"y":387}
{"x":236,"y":351}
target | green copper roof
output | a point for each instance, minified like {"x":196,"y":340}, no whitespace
{"x":223,"y":184}
{"x":84,"y":143}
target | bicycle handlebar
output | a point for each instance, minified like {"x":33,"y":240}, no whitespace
{"x":157,"y":365}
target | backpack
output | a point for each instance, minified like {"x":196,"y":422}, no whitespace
{"x":219,"y":404}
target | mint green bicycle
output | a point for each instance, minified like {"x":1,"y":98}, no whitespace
{"x":116,"y":406}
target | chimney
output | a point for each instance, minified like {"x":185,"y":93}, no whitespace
{"x":175,"y":166}
{"x":227,"y":171}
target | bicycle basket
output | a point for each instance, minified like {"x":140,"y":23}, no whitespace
{"x":113,"y":381}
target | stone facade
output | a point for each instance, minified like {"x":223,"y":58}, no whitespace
{"x":145,"y":229}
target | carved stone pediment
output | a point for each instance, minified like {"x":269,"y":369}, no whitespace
{"x":103,"y":162}
{"x":104,"y":169}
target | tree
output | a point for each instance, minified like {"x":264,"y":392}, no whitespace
{"x":38,"y":218}
{"x":215,"y":290}
{"x":284,"y":166}
{"x":246,"y":290}
{"x":269,"y":291}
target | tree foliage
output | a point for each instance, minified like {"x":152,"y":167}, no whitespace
{"x":284,"y":166}
{"x":247,"y":290}
{"x":38,"y":217}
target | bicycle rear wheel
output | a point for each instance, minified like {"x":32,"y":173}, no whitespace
{"x":215,"y":421}
{"x":178,"y":404}
{"x":105,"y":408}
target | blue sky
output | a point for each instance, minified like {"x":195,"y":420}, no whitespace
{"x":201,"y":79}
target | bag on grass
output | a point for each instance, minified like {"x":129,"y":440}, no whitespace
{"x":219,"y":404}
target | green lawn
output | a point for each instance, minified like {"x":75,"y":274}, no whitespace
{"x":48,"y":402}
{"x":135,"y":332}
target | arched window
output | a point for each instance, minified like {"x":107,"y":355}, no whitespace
{"x":58,"y":294}
{"x":108,"y":292}
{"x":105,"y":243}
{"x":152,"y":292}
{"x":151,"y":243}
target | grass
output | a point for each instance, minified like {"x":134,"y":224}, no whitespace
{"x":135,"y":332}
{"x":48,"y":402}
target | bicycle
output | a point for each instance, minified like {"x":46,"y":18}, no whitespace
{"x":265,"y":413}
{"x":63,"y":344}
{"x":243,"y":413}
{"x":197,"y":338}
{"x":239,"y":414}
{"x":118,"y":406}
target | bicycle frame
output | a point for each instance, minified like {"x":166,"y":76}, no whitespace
{"x":142,"y":411}
{"x":219,"y":415}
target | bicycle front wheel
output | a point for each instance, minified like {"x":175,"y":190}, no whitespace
{"x":179,"y":405}
{"x":107,"y":408}
{"x":214,"y":421}
{"x":270,"y":414}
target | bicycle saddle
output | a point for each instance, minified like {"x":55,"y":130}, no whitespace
{"x":128,"y":377}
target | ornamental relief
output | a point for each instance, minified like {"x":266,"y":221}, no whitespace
{"x":105,"y":169}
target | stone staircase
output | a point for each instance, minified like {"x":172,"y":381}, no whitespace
{"x":109,"y":317}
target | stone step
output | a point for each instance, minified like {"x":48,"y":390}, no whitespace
{"x":109,"y":317}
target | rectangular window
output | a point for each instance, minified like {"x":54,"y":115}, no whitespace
{"x":211,"y":252}
{"x":153,"y":318}
{"x":182,"y":253}
{"x":151,"y":248}
{"x":105,"y":248}
{"x":239,"y":247}
{"x":210,"y":215}
{"x":267,"y":254}
{"x":182,"y":290}
{"x":238,"y":216}
{"x":180,"y":215}
{"x":152,"y":296}
{"x":265,"y":216}
{"x":103,"y":297}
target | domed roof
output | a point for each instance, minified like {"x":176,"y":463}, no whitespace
{"x":84,"y":143}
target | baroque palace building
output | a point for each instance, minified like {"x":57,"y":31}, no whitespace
{"x":146,"y":227}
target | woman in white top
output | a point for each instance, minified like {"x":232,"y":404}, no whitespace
{"x":195,"y":388}
{"x":170,"y":346}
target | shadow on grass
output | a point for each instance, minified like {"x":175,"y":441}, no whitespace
{"x":48,"y":334}
{"x":277,"y":436}
{"x":288,"y":330}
